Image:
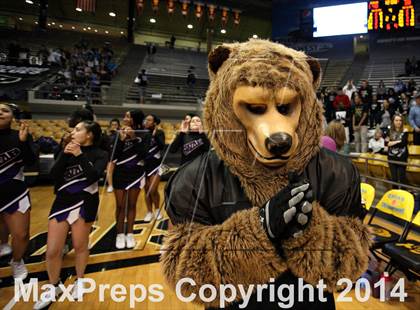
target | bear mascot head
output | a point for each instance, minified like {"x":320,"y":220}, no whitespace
{"x":261,"y":112}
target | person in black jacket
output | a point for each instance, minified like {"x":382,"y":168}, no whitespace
{"x":191,"y":140}
{"x":76,"y":173}
{"x":397,"y":149}
{"x":16,"y":150}
{"x":129,"y":175}
{"x":152,"y":164}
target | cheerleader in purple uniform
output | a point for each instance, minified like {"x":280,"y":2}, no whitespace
{"x":152,"y":165}
{"x":129,"y":175}
{"x":16,"y":150}
{"x":76,"y":173}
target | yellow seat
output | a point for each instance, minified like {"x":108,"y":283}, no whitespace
{"x":414,"y":151}
{"x":413,"y":172}
{"x":368,"y":195}
{"x":360,"y":162}
{"x":377,"y":166}
{"x":397,"y":203}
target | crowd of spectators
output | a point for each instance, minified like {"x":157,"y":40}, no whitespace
{"x":83,"y":72}
{"x":362,"y":110}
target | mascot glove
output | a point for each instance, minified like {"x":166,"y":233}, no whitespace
{"x":289,"y":211}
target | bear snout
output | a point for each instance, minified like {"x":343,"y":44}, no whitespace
{"x":279,"y":143}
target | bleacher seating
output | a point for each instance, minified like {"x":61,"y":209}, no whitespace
{"x":167,"y":75}
{"x":334,"y":71}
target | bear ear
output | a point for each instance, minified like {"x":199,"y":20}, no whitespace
{"x":217,"y":57}
{"x":315,"y":67}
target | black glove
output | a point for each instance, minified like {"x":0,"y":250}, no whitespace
{"x":289,"y":211}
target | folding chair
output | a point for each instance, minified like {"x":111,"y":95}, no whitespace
{"x":397,"y":203}
{"x":368,"y":195}
{"x":405,"y":255}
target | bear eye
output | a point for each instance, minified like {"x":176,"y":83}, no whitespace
{"x":283,"y":109}
{"x":256,"y":108}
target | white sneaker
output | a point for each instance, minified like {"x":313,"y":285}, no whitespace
{"x":130,"y":241}
{"x":54,"y":293}
{"x":78,"y":290}
{"x":158,"y":215}
{"x":120,"y":241}
{"x":5,"y":249}
{"x":148,"y":217}
{"x":109,"y":189}
{"x":19,"y":269}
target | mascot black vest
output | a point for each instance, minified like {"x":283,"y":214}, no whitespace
{"x":335,"y":183}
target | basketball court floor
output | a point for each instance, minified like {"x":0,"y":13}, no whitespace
{"x":107,"y":265}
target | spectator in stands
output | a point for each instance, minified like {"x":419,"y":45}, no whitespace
{"x":366,"y":93}
{"x":397,"y":149}
{"x":334,"y":136}
{"x":385,"y":116}
{"x":191,"y":80}
{"x":393,"y":99}
{"x":142,"y":81}
{"x":399,"y":87}
{"x":405,"y":106}
{"x":342,"y":108}
{"x":349,"y":89}
{"x":411,"y":86}
{"x":151,"y":51}
{"x":172,"y":42}
{"x":105,"y":82}
{"x":376,"y":108}
{"x":414,"y":119}
{"x":377,"y":142}
{"x":191,"y":140}
{"x":381,"y":90}
{"x":328,"y":99}
{"x":360,"y":113}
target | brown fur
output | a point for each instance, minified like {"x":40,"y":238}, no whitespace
{"x":238,"y":251}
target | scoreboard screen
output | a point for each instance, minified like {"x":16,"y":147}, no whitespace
{"x":389,"y":15}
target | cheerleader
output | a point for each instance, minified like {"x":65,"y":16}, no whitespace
{"x":152,"y":165}
{"x":129,"y":175}
{"x":191,"y":140}
{"x":112,"y":136}
{"x":76,"y":172}
{"x":16,"y":150}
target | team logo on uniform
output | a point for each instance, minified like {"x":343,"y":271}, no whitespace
{"x":191,"y":146}
{"x":8,"y":156}
{"x":73,"y":172}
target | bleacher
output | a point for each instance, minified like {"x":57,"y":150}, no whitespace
{"x":334,"y":71}
{"x":167,"y":77}
{"x":387,"y":69}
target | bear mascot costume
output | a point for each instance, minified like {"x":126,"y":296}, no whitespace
{"x":267,"y":205}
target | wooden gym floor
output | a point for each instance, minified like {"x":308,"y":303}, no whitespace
{"x":108,"y":265}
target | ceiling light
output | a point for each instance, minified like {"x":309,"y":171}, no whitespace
{"x":53,"y":23}
{"x":112,"y":14}
{"x":122,"y":32}
{"x":61,"y":26}
{"x":48,"y":24}
{"x":152,"y":20}
{"x":255,"y":36}
{"x":89,"y":28}
{"x":96,"y":30}
{"x":20,"y":18}
{"x":29,"y":1}
{"x":106,"y":31}
{"x":72,"y":27}
{"x":189,"y":26}
{"x":36,"y":23}
{"x":78,"y":9}
{"x":84,"y":29}
{"x":223,"y":31}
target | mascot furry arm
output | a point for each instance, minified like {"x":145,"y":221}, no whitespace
{"x":239,"y":250}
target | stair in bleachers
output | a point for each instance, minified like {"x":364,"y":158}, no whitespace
{"x":334,"y":72}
